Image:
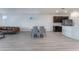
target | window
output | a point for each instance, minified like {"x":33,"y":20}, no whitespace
{"x":4,"y":17}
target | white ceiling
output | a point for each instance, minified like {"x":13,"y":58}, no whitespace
{"x":36,"y":10}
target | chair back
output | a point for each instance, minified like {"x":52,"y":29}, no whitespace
{"x":42,"y":29}
{"x":35,"y":29}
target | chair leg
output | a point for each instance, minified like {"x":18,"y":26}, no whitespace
{"x":41,"y":35}
{"x":35,"y":35}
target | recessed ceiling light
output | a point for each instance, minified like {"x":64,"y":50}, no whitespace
{"x":57,"y":11}
{"x":65,"y":11}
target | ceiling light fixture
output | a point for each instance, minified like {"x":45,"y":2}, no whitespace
{"x":57,"y":11}
{"x":65,"y":11}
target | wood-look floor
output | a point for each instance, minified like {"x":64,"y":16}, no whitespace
{"x":54,"y":41}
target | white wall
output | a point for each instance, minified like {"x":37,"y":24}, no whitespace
{"x":75,"y":17}
{"x":25,"y":23}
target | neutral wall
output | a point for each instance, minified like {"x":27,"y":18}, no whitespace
{"x":25,"y":23}
{"x":75,"y":21}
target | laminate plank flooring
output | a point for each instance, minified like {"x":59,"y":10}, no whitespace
{"x":54,"y":41}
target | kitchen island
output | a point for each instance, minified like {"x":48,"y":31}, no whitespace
{"x":71,"y":31}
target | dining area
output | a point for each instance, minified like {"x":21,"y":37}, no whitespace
{"x":38,"y":32}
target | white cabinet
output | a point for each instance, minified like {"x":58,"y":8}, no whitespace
{"x":67,"y":30}
{"x":71,"y":31}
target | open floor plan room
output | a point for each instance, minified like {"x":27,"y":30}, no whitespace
{"x":39,"y":29}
